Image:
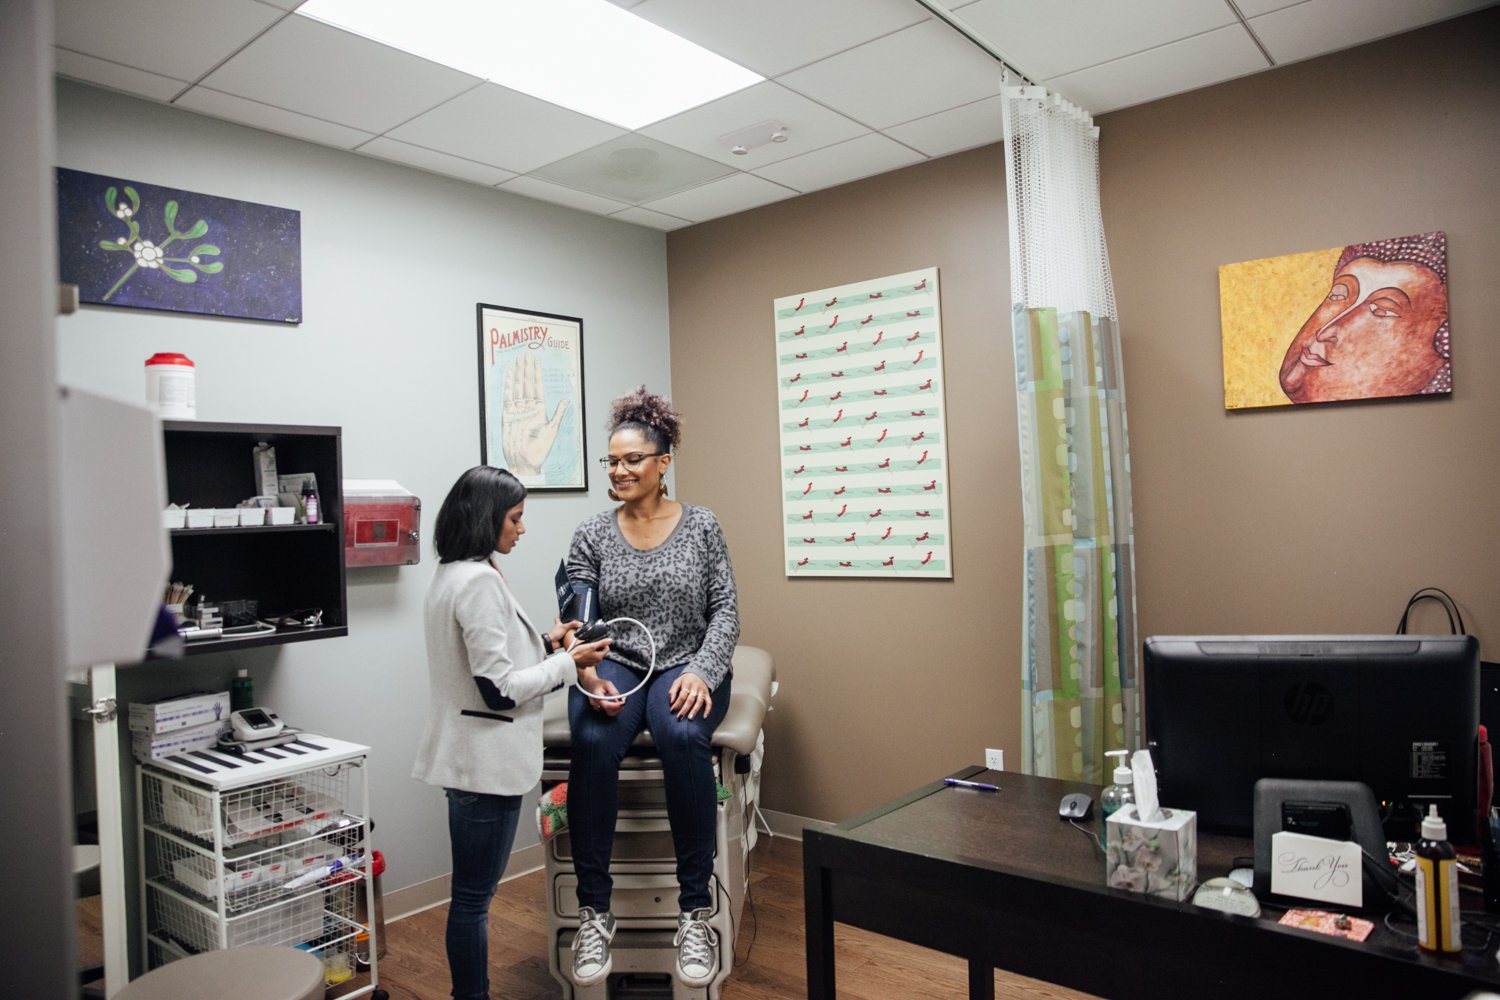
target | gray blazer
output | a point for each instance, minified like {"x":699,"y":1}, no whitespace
{"x":475,"y":628}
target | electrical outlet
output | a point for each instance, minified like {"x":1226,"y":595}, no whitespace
{"x":994,"y":759}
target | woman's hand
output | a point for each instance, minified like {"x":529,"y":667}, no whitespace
{"x":593,"y":683}
{"x":689,"y":693}
{"x":561,"y":633}
{"x":586,"y":655}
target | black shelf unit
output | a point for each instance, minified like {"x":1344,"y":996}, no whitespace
{"x":284,"y":568}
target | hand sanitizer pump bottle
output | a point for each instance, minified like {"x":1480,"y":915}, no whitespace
{"x":1438,"y":926}
{"x":1121,"y":793}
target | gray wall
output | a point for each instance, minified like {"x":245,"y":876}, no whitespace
{"x":394,"y":261}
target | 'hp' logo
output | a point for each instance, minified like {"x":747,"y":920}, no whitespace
{"x":1308,"y":703}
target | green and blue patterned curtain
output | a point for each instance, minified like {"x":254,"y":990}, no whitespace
{"x":1080,"y":650}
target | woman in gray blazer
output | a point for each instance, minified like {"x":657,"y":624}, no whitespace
{"x":488,"y":668}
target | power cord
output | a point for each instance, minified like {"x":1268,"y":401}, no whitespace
{"x":1098,"y":844}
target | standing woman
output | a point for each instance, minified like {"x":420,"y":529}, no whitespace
{"x":665,"y":564}
{"x":488,"y":668}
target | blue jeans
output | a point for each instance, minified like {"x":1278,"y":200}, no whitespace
{"x":481,"y":829}
{"x":686,"y":751}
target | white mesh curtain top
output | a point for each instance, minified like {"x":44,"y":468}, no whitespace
{"x":1080,"y":653}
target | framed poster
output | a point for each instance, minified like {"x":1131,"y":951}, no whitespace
{"x":864,"y":448}
{"x":136,"y":245}
{"x":1361,"y":321}
{"x":531,"y":396}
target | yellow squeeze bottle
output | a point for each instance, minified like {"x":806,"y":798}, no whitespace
{"x":1438,"y":924}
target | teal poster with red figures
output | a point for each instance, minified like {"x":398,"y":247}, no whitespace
{"x":864,"y":454}
{"x":137,"y":245}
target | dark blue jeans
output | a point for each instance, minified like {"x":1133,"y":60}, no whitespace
{"x":481,"y":829}
{"x":686,"y":750}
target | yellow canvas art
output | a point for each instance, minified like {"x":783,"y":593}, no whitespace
{"x":1363,"y":321}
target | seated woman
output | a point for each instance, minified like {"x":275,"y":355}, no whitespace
{"x":665,"y":564}
{"x":488,"y":668}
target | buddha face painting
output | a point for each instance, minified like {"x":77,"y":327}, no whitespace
{"x":1382,"y":329}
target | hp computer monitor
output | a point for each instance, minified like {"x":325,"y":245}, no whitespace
{"x":1399,"y":713}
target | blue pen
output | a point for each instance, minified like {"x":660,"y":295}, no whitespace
{"x":978,"y":785}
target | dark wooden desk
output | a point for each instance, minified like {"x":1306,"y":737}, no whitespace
{"x":997,"y":879}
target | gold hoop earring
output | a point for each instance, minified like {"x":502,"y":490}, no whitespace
{"x":612,"y":494}
{"x":661,"y":488}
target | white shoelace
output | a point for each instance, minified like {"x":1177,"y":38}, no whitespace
{"x":589,"y":946}
{"x":698,"y":943}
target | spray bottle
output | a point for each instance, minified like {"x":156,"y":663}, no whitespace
{"x":1438,"y":925}
{"x":1118,"y":795}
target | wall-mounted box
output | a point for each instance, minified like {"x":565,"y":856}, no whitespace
{"x":382,"y":524}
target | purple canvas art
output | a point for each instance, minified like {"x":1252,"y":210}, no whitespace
{"x":142,"y":246}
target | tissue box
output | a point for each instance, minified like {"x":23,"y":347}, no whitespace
{"x":1159,"y":858}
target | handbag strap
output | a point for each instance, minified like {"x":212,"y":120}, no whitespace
{"x":1450,"y":608}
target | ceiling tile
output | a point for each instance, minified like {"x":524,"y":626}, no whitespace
{"x":809,"y":126}
{"x":169,"y":37}
{"x":915,"y":72}
{"x":263,"y":116}
{"x":283,"y":4}
{"x":1160,"y":72}
{"x":633,"y":169}
{"x":114,"y":76}
{"x":655,"y":220}
{"x":1254,"y":8}
{"x":314,"y":69}
{"x":1045,"y":39}
{"x":496,"y":125}
{"x":721,"y":197}
{"x":976,"y":124}
{"x":533,"y":187}
{"x":848,"y":161}
{"x":1321,"y":26}
{"x":435,"y":162}
{"x":774,"y":36}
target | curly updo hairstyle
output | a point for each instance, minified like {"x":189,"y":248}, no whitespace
{"x":652,"y":415}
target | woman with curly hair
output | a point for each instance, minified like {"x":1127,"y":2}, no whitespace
{"x":665,"y":564}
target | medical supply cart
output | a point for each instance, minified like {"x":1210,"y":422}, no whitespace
{"x":269,"y":847}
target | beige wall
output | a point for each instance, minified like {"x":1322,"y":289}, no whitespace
{"x":1322,"y":519}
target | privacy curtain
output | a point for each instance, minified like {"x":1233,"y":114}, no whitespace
{"x":1080,"y":652}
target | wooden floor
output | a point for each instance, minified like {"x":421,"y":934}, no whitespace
{"x":770,"y":961}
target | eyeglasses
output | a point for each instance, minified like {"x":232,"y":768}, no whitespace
{"x":631,"y":462}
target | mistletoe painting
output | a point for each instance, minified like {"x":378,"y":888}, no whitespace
{"x":127,"y":243}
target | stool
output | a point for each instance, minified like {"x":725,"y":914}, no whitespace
{"x":644,"y":862}
{"x":254,"y":972}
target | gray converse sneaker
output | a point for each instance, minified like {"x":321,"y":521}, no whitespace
{"x":697,"y":949}
{"x":591,"y":958}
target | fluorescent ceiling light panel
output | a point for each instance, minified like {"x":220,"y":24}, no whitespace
{"x":587,"y":55}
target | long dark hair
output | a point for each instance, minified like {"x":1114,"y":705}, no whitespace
{"x":472,"y":515}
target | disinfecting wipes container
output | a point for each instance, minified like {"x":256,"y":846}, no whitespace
{"x":171,"y":386}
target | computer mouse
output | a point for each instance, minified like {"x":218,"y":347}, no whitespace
{"x":1075,"y":805}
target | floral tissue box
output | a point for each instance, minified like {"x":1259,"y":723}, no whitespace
{"x":1159,"y":858}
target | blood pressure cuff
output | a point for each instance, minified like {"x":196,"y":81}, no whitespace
{"x":575,"y":601}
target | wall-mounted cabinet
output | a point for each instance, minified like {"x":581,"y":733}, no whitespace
{"x":285,"y":569}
